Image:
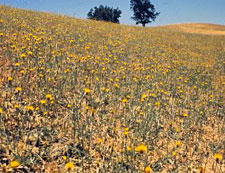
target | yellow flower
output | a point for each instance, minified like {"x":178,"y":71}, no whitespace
{"x":18,"y":89}
{"x":69,"y":166}
{"x":116,"y":85}
{"x":157,"y":104}
{"x":185,"y":114}
{"x":14,"y":164}
{"x":30,"y":108}
{"x":126,"y":131}
{"x":30,"y":53}
{"x":86,"y":90}
{"x":218,"y":156}
{"x":49,"y":96}
{"x":64,"y":157}
{"x":67,"y":70}
{"x":153,"y":95}
{"x":141,"y":148}
{"x":1,"y":111}
{"x":147,"y":169}
{"x":107,"y":90}
{"x":100,"y":140}
{"x":174,"y":153}
{"x":16,"y":106}
{"x":178,"y":143}
{"x":22,"y":71}
{"x":69,"y":105}
{"x":143,"y":97}
{"x":23,"y":55}
{"x":17,"y":64}
{"x":43,"y":101}
{"x":124,"y":100}
{"x":10,"y":78}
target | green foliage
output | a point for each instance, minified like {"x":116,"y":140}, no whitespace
{"x":105,"y":13}
{"x":144,"y":11}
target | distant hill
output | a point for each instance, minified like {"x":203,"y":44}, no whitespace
{"x":198,"y":28}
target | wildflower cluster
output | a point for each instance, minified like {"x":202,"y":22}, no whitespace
{"x":88,"y":96}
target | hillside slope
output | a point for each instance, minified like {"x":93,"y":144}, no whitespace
{"x":91,"y":96}
{"x":198,"y":28}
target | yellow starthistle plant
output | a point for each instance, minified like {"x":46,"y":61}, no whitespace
{"x":10,"y":79}
{"x":49,"y":96}
{"x":43,"y":102}
{"x":125,"y":131}
{"x":69,"y":166}
{"x":124,"y":100}
{"x":147,"y":169}
{"x":14,"y":164}
{"x":143,"y":97}
{"x":18,"y":89}
{"x":178,"y":143}
{"x":30,"y":108}
{"x":141,"y":148}
{"x":218,"y":157}
{"x":87,"y":90}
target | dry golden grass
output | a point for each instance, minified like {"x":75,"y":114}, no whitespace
{"x":88,"y":96}
{"x":198,"y":28}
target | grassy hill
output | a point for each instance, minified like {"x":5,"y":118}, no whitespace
{"x":99,"y":97}
{"x":198,"y":28}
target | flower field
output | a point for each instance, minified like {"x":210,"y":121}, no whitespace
{"x":86,"y":96}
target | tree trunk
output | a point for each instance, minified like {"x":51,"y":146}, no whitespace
{"x":143,"y":24}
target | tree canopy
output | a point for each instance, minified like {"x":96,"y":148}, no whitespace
{"x":144,"y":11}
{"x":105,"y":13}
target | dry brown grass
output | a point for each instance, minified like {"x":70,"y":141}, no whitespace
{"x":198,"y":28}
{"x":86,"y":94}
